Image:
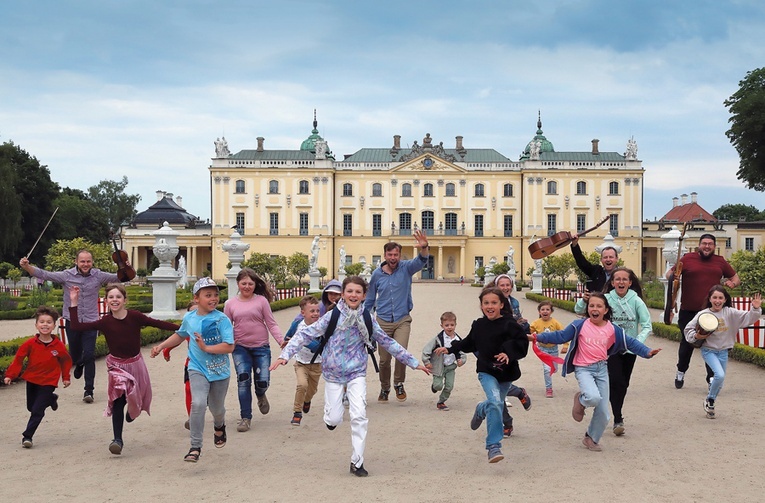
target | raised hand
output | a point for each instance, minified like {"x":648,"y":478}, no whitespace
{"x":757,"y":300}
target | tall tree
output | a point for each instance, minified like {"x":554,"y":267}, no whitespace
{"x":110,"y":195}
{"x":78,"y":216}
{"x":36,"y":193}
{"x":747,"y":131}
{"x":737,"y":212}
{"x":10,"y":210}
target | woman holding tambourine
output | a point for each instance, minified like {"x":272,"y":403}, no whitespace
{"x":716,"y":336}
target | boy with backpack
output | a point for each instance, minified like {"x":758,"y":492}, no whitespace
{"x":344,"y":362}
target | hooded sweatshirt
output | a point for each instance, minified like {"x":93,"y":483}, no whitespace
{"x":729,"y":322}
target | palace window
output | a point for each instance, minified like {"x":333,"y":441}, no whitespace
{"x":240,"y":187}
{"x":273,"y":187}
{"x":303,"y":187}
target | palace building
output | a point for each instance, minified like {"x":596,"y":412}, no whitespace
{"x":474,"y":203}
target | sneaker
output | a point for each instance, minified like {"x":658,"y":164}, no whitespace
{"x":78,"y":371}
{"x":495,"y":455}
{"x":187,"y":425}
{"x":442,"y":406}
{"x":549,"y":393}
{"x":54,"y":403}
{"x":506,"y":432}
{"x":619,"y":429}
{"x":577,"y":412}
{"x":433,"y":389}
{"x":359,"y":471}
{"x":679,"y":379}
{"x":263,"y":405}
{"x":116,"y":447}
{"x":243,"y":424}
{"x":331,"y":427}
{"x":709,"y":408}
{"x":525,"y":399}
{"x":400,"y":393}
{"x":383,"y":396}
{"x":88,"y":397}
{"x":307,"y":406}
{"x":26,"y":443}
{"x":476,"y":421}
{"x":591,"y":444}
{"x":296,"y":418}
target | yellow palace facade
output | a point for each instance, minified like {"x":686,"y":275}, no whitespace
{"x":474,"y":203}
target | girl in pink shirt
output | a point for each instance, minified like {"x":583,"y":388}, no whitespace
{"x":593,"y":340}
{"x":250,"y":312}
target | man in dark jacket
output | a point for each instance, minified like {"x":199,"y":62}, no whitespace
{"x":599,"y":274}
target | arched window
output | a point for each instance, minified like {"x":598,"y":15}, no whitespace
{"x":427,"y":190}
{"x":581,"y":188}
{"x":240,"y":187}
{"x":377,"y":190}
{"x":479,"y":190}
{"x":406,"y":190}
{"x":613,"y":189}
{"x":273,"y":187}
{"x":552,"y":187}
{"x":347,"y":189}
{"x":508,"y":190}
{"x":303,"y":187}
{"x":450,"y":189}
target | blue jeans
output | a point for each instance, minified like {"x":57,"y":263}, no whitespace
{"x":717,"y":360}
{"x":82,"y":349}
{"x":553,"y":351}
{"x":491,"y":408}
{"x":593,"y":384}
{"x":251,"y":362}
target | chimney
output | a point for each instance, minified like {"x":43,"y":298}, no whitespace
{"x":260,"y":143}
{"x":674,"y":202}
{"x":169,"y":195}
{"x":595,"y":147}
{"x":694,"y":197}
{"x":179,"y":201}
{"x":459,"y":143}
{"x":684,"y":198}
{"x":396,"y":142}
{"x":160,"y":195}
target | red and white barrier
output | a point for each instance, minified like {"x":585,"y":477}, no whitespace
{"x":754,"y":335}
{"x":102,"y":310}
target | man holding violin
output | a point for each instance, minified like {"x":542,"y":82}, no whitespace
{"x":82,"y":345}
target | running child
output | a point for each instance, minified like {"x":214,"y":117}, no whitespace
{"x":47,"y":362}
{"x":593,"y":340}
{"x":128,"y":383}
{"x":716,"y":345}
{"x":443,"y":367}
{"x":546,"y":323}
{"x":307,"y":362}
{"x":500,"y":342}
{"x":344,"y":362}
{"x":211,"y":339}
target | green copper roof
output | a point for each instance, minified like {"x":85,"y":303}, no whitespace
{"x":545,"y":144}
{"x":309,"y":144}
{"x":384,"y":155}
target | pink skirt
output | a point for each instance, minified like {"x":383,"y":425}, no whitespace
{"x":129,"y":377}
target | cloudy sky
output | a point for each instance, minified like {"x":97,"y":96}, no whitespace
{"x":97,"y":89}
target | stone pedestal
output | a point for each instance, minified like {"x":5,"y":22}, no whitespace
{"x":536,"y":282}
{"x":164,"y":279}
{"x":314,"y":287}
{"x":235,"y":249}
{"x":488,"y":279}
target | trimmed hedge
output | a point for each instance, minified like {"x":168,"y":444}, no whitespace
{"x":740,"y":352}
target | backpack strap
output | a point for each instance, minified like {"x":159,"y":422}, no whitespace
{"x":327,"y":333}
{"x":370,"y":329}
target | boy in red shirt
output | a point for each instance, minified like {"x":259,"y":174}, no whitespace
{"x":47,"y":361}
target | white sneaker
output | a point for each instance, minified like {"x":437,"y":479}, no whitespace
{"x":679,"y":379}
{"x":243,"y":424}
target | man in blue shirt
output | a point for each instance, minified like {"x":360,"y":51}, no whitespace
{"x":390,"y":295}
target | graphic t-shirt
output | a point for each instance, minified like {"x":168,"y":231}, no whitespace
{"x":215,"y":328}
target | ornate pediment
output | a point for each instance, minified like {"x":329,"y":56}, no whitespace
{"x":428,"y":162}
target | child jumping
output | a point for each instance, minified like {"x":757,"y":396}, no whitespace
{"x":344,"y":362}
{"x":546,"y":323}
{"x":211,"y":340}
{"x":47,"y":362}
{"x":500,"y":342}
{"x":593,"y":339}
{"x":443,"y":367}
{"x":716,"y":345}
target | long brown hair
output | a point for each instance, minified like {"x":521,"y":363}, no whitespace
{"x":261,"y":288}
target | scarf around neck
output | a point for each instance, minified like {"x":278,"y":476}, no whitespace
{"x":354,"y":318}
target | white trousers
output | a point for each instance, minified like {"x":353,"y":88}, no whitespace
{"x":334,"y":410}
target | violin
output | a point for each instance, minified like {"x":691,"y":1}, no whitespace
{"x":125,"y":272}
{"x":544,"y":247}
{"x":673,"y":282}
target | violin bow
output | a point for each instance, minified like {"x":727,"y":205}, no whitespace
{"x":43,"y":232}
